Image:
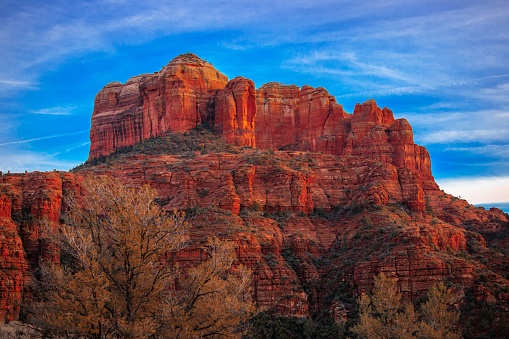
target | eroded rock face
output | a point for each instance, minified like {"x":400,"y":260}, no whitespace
{"x":235,"y":111}
{"x":307,"y":119}
{"x":350,"y":197}
{"x":266,"y":202}
{"x":392,"y":236}
{"x":175,"y":99}
{"x":190,"y":91}
{"x":272,"y":180}
{"x":30,"y":205}
{"x":13,"y":264}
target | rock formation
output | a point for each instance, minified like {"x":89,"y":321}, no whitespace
{"x":235,"y":110}
{"x":175,"y":99}
{"x":190,"y":91}
{"x":319,"y":202}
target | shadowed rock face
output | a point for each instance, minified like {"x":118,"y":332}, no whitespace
{"x":305,"y":223}
{"x":347,"y":197}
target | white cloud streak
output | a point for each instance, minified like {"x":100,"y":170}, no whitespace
{"x":57,"y":110}
{"x":495,"y":151}
{"x":478,"y":190}
{"x":72,"y":148}
{"x":11,"y":83}
{"x":24,"y":141}
{"x":465,"y":136}
{"x":449,"y":127}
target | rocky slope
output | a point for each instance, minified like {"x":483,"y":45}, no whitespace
{"x":345,"y":197}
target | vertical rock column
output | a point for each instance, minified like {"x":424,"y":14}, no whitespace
{"x":236,"y":111}
{"x":13,"y":265}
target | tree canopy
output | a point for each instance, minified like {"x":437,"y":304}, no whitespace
{"x":383,"y":315}
{"x":115,"y":281}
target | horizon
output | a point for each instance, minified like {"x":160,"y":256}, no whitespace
{"x":442,"y":66}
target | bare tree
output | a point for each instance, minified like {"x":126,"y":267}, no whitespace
{"x":114,"y":280}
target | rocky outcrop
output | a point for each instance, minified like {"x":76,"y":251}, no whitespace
{"x":304,"y":223}
{"x":235,"y":111}
{"x":190,"y":91}
{"x":175,"y":99}
{"x":319,"y":203}
{"x":272,"y":180}
{"x":30,"y":205}
{"x":305,"y":119}
{"x":13,"y":264}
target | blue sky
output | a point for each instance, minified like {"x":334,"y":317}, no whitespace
{"x":443,"y":65}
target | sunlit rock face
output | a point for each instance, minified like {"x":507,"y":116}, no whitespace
{"x":175,"y":99}
{"x":317,"y":200}
{"x":189,"y":91}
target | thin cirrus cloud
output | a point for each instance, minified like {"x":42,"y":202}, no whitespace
{"x":58,"y":135}
{"x":44,"y":40}
{"x":57,"y":110}
{"x":484,"y":126}
{"x":18,"y":83}
{"x":72,"y":148}
{"x":495,"y":151}
{"x":346,"y":63}
{"x":472,"y":135}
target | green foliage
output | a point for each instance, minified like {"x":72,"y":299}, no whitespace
{"x":266,"y":158}
{"x":481,"y":319}
{"x":281,"y":216}
{"x":271,"y":259}
{"x":429,"y":208}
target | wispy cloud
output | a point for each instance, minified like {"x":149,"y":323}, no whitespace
{"x":18,"y":84}
{"x":343,"y":63}
{"x":57,"y":110}
{"x":24,"y":141}
{"x":439,"y":124}
{"x":477,"y":190}
{"x":496,"y":151}
{"x":476,"y":135}
{"x":72,"y":148}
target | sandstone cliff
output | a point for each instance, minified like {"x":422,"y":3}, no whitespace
{"x":190,"y":91}
{"x":175,"y":99}
{"x":319,"y":202}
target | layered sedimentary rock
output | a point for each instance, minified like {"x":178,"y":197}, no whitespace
{"x":274,"y":181}
{"x":264,"y":201}
{"x":235,"y":110}
{"x":190,"y":91}
{"x":175,"y":99}
{"x":348,"y":195}
{"x":306,"y":119}
{"x":30,"y":206}
{"x":13,"y":264}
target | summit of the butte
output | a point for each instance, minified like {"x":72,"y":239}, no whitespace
{"x":317,"y":200}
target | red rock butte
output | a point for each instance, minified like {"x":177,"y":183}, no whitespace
{"x":190,"y":91}
{"x":317,"y":204}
